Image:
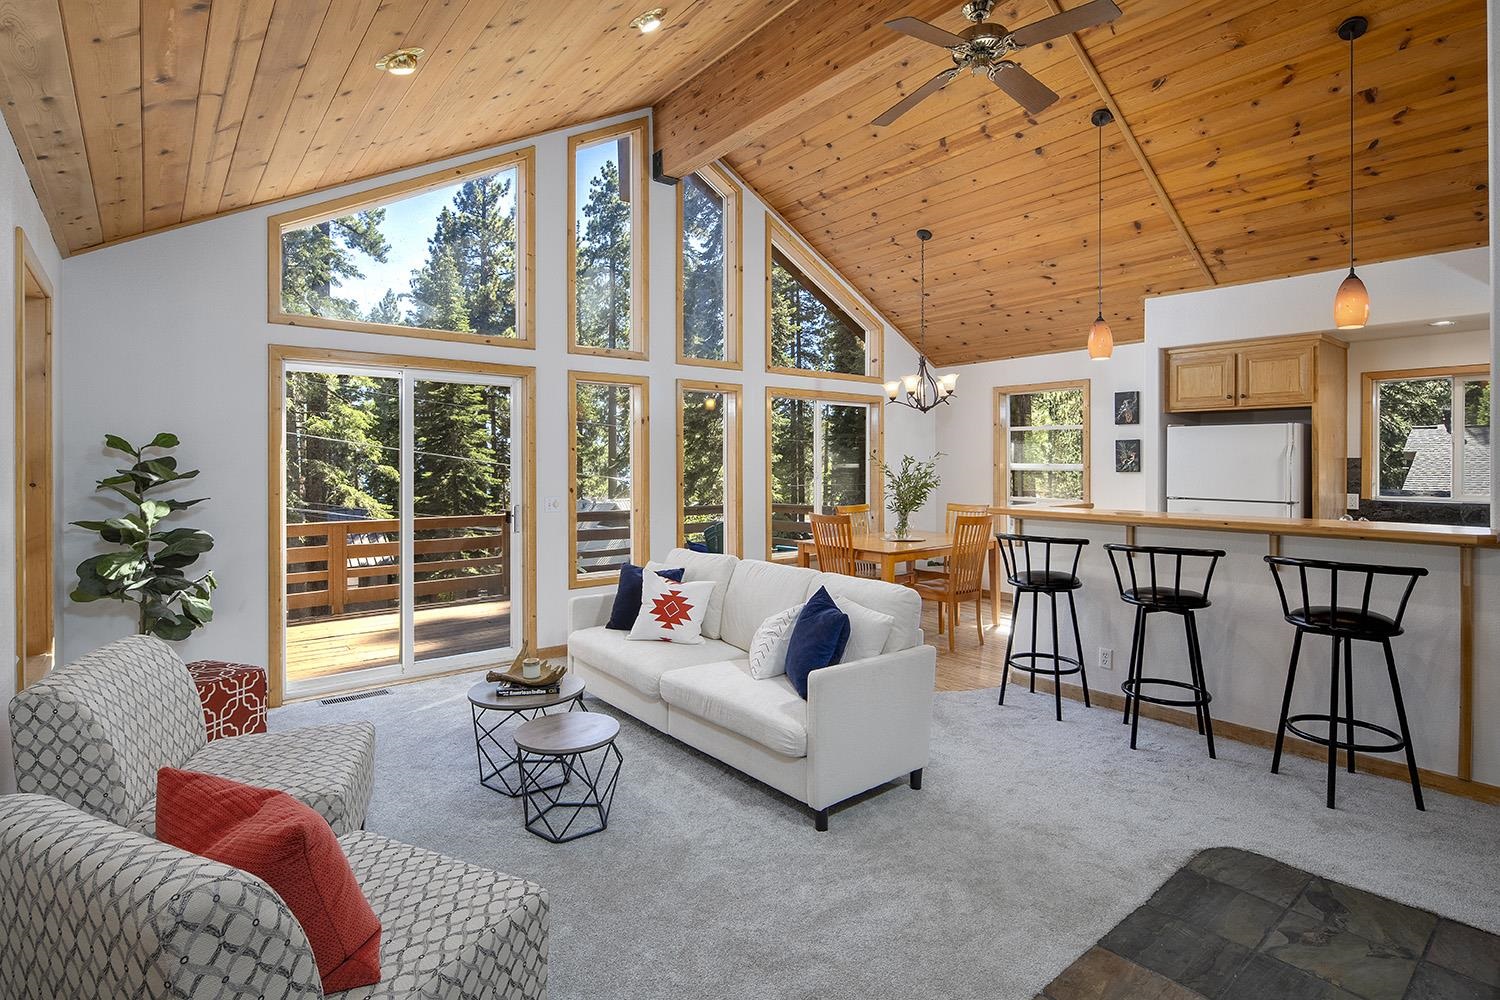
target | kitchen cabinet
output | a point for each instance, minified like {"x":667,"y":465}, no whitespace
{"x":1201,"y":380}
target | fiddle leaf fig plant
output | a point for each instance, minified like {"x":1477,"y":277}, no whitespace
{"x":149,"y":565}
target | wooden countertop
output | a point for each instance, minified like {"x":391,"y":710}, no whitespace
{"x":1374,"y":531}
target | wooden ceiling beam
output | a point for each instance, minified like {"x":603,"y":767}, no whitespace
{"x":809,"y":53}
{"x":1135,"y":148}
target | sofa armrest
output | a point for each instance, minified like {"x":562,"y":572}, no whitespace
{"x":590,"y":610}
{"x":868,"y":721}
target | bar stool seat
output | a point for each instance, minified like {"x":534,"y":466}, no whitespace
{"x":1165,"y":599}
{"x":1046,"y":582}
{"x":1358,"y":623}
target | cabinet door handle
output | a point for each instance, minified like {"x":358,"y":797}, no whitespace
{"x":1244,"y":395}
{"x":1230,"y":396}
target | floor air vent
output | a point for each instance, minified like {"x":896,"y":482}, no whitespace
{"x":358,"y":696}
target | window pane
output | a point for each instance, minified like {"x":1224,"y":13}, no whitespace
{"x":602,"y":221}
{"x":792,"y":478}
{"x":1057,"y":447}
{"x":1416,"y":440}
{"x":1476,"y":470}
{"x":1059,"y":406}
{"x":808,"y":329}
{"x":703,"y":242}
{"x":603,"y":476}
{"x":443,"y":259}
{"x":845,"y":456}
{"x":1046,"y":484}
{"x":703,"y":467}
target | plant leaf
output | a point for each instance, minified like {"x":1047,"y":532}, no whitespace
{"x":164,"y":440}
{"x":118,"y":443}
{"x":153,"y":511}
{"x":184,"y":542}
{"x":119,"y":565}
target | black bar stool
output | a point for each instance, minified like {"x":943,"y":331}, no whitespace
{"x":1165,"y":592}
{"x":1345,"y":624}
{"x":1032,"y":567}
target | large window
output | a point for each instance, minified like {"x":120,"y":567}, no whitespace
{"x":814,"y":327}
{"x":1427,"y":434}
{"x":708,"y":269}
{"x":444,"y":256}
{"x":1042,"y":444}
{"x":708,"y":465}
{"x":606,"y":241}
{"x":822,"y":455}
{"x":607,"y":453}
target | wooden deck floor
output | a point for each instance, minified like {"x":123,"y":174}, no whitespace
{"x":336,"y":645}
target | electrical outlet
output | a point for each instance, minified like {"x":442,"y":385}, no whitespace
{"x":553,"y":505}
{"x":1106,"y":658}
{"x":1351,"y":501}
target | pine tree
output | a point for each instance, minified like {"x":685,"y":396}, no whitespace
{"x":603,"y":263}
{"x":702,"y":270}
{"x":388,"y":309}
{"x":314,"y":258}
{"x":484,"y":236}
{"x":337,"y":458}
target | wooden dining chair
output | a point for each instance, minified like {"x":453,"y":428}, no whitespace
{"x":964,"y":580}
{"x":936,"y":569}
{"x":833,"y":537}
{"x":863,"y":519}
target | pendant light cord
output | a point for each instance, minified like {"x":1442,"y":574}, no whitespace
{"x":922,"y":297}
{"x":1351,"y":155}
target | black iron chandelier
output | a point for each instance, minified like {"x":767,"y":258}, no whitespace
{"x":922,"y":390}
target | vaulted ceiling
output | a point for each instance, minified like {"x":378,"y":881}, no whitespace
{"x":1228,"y":163}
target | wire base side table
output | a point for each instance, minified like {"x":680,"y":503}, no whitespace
{"x":499,"y":765}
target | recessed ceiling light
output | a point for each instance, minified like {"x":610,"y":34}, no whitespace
{"x":1442,"y":322}
{"x":402,"y":62}
{"x":650,"y":20}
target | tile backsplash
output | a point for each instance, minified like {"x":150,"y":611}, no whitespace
{"x":1416,"y":511}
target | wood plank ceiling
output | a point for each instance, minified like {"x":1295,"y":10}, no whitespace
{"x":1240,"y":109}
{"x":134,"y":116}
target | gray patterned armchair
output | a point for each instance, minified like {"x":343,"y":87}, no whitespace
{"x":94,"y":732}
{"x":95,"y":912}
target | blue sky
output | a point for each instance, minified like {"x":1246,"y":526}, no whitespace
{"x":409,"y":222}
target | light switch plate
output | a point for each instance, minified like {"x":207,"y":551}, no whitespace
{"x":1351,"y":501}
{"x":553,"y":505}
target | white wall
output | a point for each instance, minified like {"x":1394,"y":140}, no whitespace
{"x":18,"y":208}
{"x":170,"y":333}
{"x":1403,"y":292}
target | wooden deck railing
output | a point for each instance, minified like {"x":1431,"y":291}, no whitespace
{"x":336,"y":568}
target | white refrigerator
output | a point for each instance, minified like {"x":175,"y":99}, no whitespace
{"x":1257,"y":470}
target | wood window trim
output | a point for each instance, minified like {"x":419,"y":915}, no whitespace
{"x":734,"y":492}
{"x":638,"y":130}
{"x":780,"y":236}
{"x":524,"y":162}
{"x":640,"y":473}
{"x":877,"y":479}
{"x":1000,"y":485}
{"x":29,"y":271}
{"x":1367,"y":449}
{"x":279,"y":357}
{"x":730,"y":190}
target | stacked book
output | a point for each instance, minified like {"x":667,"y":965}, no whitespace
{"x":506,"y":690}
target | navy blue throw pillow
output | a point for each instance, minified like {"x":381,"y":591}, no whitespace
{"x":818,"y":639}
{"x":628,"y":597}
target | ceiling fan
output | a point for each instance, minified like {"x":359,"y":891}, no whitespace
{"x":986,"y":48}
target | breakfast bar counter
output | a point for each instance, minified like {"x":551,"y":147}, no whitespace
{"x":1449,"y":652}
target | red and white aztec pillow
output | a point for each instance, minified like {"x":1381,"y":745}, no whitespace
{"x":672,"y":612}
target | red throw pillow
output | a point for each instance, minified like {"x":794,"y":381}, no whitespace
{"x":288,"y":846}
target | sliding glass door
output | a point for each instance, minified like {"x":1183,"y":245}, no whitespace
{"x":401,"y":548}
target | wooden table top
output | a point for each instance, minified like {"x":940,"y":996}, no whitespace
{"x":483,"y":695}
{"x":874,"y":543}
{"x":566,"y":733}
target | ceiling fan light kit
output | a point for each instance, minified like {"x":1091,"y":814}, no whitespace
{"x":1351,"y":303}
{"x":922,"y":390}
{"x":984,"y":49}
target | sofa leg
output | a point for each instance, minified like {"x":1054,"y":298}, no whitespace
{"x":820,"y":820}
{"x":916,"y":778}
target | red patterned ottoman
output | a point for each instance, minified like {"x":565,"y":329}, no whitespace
{"x":233,"y":696}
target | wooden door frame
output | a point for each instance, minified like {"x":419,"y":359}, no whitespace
{"x":31,"y":284}
{"x":279,"y":356}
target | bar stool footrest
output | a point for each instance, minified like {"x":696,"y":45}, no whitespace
{"x":1133,"y":690}
{"x":1053,"y":671}
{"x":1397,"y":742}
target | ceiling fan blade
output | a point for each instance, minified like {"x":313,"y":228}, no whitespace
{"x":911,"y":100}
{"x":918,"y":28}
{"x":1087,"y":16}
{"x":1029,"y":92}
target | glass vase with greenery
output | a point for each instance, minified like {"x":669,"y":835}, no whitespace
{"x":909,"y":488}
{"x":149,"y":564}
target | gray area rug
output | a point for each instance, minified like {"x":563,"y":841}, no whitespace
{"x":1029,"y":841}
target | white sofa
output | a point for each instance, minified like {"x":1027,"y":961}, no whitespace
{"x":864,"y":723}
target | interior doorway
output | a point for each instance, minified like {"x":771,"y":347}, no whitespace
{"x":35,"y":638}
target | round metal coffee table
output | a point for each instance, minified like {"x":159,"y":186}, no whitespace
{"x":583,"y":744}
{"x":496,"y":759}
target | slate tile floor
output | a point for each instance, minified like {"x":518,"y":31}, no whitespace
{"x":1232,"y":925}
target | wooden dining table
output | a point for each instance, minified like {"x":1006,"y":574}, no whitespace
{"x":887,"y":553}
